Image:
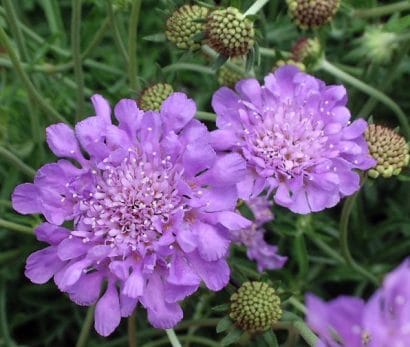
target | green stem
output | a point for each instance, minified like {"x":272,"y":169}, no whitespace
{"x":116,"y":33}
{"x":31,"y":90}
{"x":205,"y":116}
{"x":15,"y":29}
{"x":85,"y":330}
{"x":268,"y":52}
{"x":297,"y":304}
{"x":214,"y":55}
{"x":132,"y":332}
{"x":197,"y":340}
{"x":54,"y":20}
{"x":8,"y":341}
{"x":132,"y":46}
{"x":17,"y":162}
{"x":96,"y":39}
{"x":76,"y":48}
{"x":382,"y":10}
{"x":16,"y":227}
{"x":173,"y":339}
{"x":255,"y":8}
{"x":307,"y":334}
{"x":189,"y":67}
{"x":344,"y":240}
{"x":383,"y":98}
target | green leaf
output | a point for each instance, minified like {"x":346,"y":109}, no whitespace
{"x":219,"y":62}
{"x":270,"y":339}
{"x":159,"y":37}
{"x":233,"y":336}
{"x":224,"y":324}
{"x":221,"y":308}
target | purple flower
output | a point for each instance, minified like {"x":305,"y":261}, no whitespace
{"x":150,"y":206}
{"x":252,"y":237}
{"x":384,"y":321}
{"x":296,"y":136}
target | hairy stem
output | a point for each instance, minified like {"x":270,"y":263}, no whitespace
{"x":255,"y":8}
{"x":16,"y":227}
{"x":116,"y":33}
{"x":382,"y":10}
{"x":17,"y":162}
{"x":383,"y":98}
{"x":76,"y":47}
{"x":173,"y":339}
{"x":344,"y":240}
{"x":132,"y":46}
{"x":85,"y":330}
{"x":132,"y":330}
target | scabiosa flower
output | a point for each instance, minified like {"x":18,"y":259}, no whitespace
{"x":252,"y":237}
{"x":384,"y":321}
{"x":150,"y":206}
{"x":152,"y":97}
{"x":296,"y":136}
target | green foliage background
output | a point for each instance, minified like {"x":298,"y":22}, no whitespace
{"x":32,"y":315}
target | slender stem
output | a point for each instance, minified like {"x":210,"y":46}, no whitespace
{"x":254,"y":9}
{"x":76,"y":47}
{"x":16,"y":227}
{"x":197,"y":340}
{"x":50,"y":111}
{"x":307,"y":334}
{"x":344,"y":240}
{"x":297,"y":304}
{"x":188,"y":66}
{"x":132,"y":45}
{"x":85,"y":330}
{"x":335,"y":71}
{"x":268,"y":52}
{"x":8,"y":341}
{"x":132,"y":332}
{"x":205,"y":116}
{"x":15,"y":29}
{"x":116,"y":33}
{"x":17,"y":162}
{"x":173,"y":339}
{"x":54,"y":20}
{"x":96,"y":39}
{"x":382,"y":10}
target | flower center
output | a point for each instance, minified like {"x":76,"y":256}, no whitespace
{"x":132,"y":201}
{"x":287,"y":140}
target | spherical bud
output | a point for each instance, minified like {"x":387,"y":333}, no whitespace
{"x":230,"y":33}
{"x":389,"y":149}
{"x":310,"y":14}
{"x":378,"y":46}
{"x":307,"y":51}
{"x":152,"y":97}
{"x":283,"y":62}
{"x":227,"y":76}
{"x":184,"y":24}
{"x":255,"y":307}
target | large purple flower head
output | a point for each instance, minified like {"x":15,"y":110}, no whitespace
{"x":384,"y":321}
{"x":265,"y":255}
{"x":296,"y":136}
{"x":150,"y":205}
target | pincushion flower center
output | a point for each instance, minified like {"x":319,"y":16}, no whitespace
{"x":287,"y":140}
{"x":132,"y":201}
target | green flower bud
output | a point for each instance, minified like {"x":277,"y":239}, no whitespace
{"x":230,"y":33}
{"x":378,"y":46}
{"x":184,"y":24}
{"x":309,"y":14}
{"x":228,"y":77}
{"x":282,"y":62}
{"x":255,"y":307}
{"x":307,"y":51}
{"x":152,"y":97}
{"x":389,"y":149}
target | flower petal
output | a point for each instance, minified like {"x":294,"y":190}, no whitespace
{"x":107,"y":311}
{"x":25,"y":199}
{"x":42,"y":265}
{"x":177,"y":110}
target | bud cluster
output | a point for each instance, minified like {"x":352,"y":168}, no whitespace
{"x":230,"y":33}
{"x":152,"y":97}
{"x":186,"y":23}
{"x":255,"y":307}
{"x":389,"y":149}
{"x":309,"y":14}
